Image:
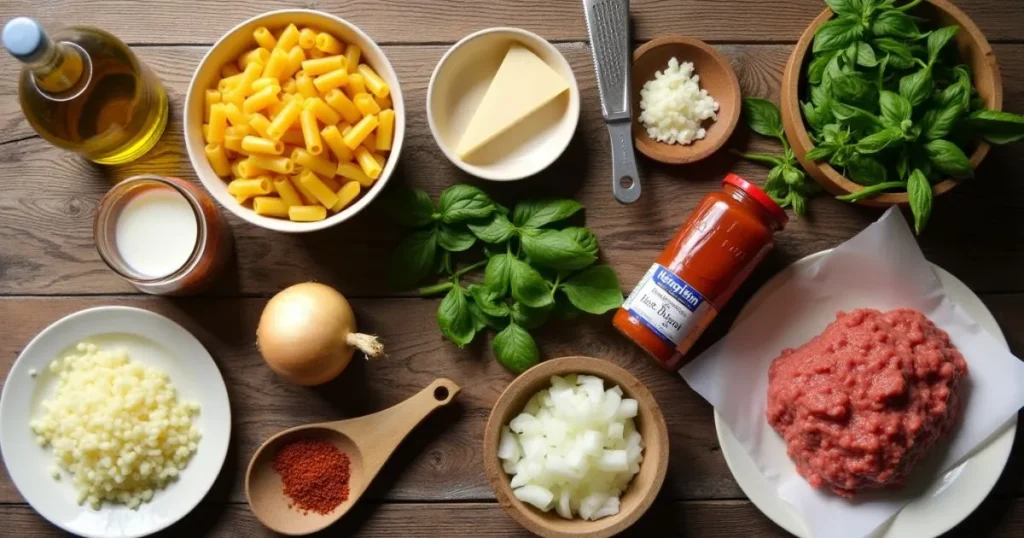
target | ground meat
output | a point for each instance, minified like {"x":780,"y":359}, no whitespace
{"x":866,"y":399}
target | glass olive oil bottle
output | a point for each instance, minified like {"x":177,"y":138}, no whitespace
{"x":85,"y":91}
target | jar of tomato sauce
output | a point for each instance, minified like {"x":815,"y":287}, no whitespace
{"x":710,"y":256}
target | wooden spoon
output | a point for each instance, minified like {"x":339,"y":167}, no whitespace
{"x":368,"y":441}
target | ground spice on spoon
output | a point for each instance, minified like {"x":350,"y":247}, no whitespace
{"x":314,"y":474}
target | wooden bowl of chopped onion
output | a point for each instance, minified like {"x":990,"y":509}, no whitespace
{"x":660,"y":131}
{"x":602,"y":439}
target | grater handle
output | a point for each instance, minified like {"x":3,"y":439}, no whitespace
{"x":623,"y":162}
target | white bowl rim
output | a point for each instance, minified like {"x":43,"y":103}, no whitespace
{"x":574,"y":100}
{"x":287,"y":226}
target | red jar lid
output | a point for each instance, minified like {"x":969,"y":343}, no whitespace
{"x":759,"y":196}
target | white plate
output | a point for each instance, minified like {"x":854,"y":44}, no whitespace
{"x":948,"y":500}
{"x":149,"y":339}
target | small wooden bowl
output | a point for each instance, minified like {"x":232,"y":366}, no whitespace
{"x":974,"y":50}
{"x":641,"y":491}
{"x":716,"y":76}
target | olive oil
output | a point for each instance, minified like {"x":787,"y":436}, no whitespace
{"x":85,"y":91}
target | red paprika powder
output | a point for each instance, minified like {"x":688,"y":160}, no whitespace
{"x":314,"y":474}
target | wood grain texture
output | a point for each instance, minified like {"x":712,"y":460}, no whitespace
{"x":441,"y":460}
{"x":50,"y":197}
{"x":1001,"y":517}
{"x":405,"y":21}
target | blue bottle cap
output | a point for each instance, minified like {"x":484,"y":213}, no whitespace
{"x":24,"y":38}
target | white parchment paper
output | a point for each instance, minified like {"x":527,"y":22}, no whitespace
{"x":883,"y":268}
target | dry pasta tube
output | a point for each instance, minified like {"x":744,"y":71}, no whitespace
{"x":332,"y":136}
{"x":284,"y":119}
{"x":211,"y":98}
{"x":320,"y":165}
{"x":287,"y":191}
{"x":311,"y":132}
{"x":218,"y":123}
{"x":353,"y":172}
{"x":264,"y":38}
{"x":331,"y":183}
{"x":254,"y":144}
{"x":328,"y":44}
{"x":319,"y":66}
{"x":257,"y":55}
{"x":228,"y":83}
{"x":307,"y":213}
{"x":260,"y":100}
{"x":366,"y":161}
{"x":269,"y":206}
{"x":340,"y":102}
{"x":290,"y":87}
{"x":264,"y":82}
{"x":360,"y":131}
{"x":356,"y":85}
{"x":348,"y":192}
{"x":233,"y":143}
{"x":307,"y":197}
{"x":293,"y":138}
{"x":288,"y":38}
{"x":281,"y":165}
{"x":307,"y":38}
{"x":234,"y":115}
{"x":305,"y":84}
{"x":352,"y":53}
{"x":316,"y":53}
{"x":374,"y":83}
{"x":329,"y":81}
{"x":251,"y":73}
{"x":366,"y":104}
{"x":246,"y":169}
{"x":247,"y":188}
{"x":385,"y":129}
{"x":276,"y":65}
{"x":233,"y":96}
{"x":260,"y":124}
{"x":237,"y":130}
{"x":218,"y":158}
{"x":295,"y":58}
{"x":323,"y":194}
{"x":322,"y":111}
{"x":384,"y":102}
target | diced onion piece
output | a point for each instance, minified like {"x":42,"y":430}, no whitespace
{"x":564,"y":508}
{"x":615,"y":461}
{"x":535,"y":495}
{"x":628,"y":408}
{"x":508,"y":447}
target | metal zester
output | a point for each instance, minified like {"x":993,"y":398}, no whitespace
{"x":608,"y":26}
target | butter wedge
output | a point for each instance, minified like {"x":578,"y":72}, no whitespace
{"x":523,"y":84}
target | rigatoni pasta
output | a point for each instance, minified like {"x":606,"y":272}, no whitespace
{"x":297,"y":125}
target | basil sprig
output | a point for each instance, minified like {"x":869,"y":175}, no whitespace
{"x":535,"y":266}
{"x":891,"y":105}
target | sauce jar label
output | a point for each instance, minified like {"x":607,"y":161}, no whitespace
{"x":670,"y":307}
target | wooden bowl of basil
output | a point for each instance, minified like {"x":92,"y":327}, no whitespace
{"x":876,"y":144}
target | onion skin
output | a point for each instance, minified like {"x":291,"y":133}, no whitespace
{"x":304,"y":333}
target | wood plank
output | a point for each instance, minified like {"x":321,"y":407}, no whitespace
{"x":51,"y":196}
{"x":999,"y":517}
{"x":433,"y":21}
{"x":442,"y":460}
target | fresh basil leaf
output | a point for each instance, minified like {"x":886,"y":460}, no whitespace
{"x":763,"y":116}
{"x":853,"y":88}
{"x":455,"y":238}
{"x":454,"y":318}
{"x":821,"y":153}
{"x":792,"y":176}
{"x":895,"y":108}
{"x":816,"y":69}
{"x":885,"y":138}
{"x":583,"y":237}
{"x":865,"y":170}
{"x":919,"y":191}
{"x":529,"y":318}
{"x":497,"y":273}
{"x":855,"y":118}
{"x":895,"y":24}
{"x":938,"y":39}
{"x":845,"y":7}
{"x":555,"y":249}
{"x":903,"y":163}
{"x":940,"y":123}
{"x":820,"y":94}
{"x":997,"y":127}
{"x":798,"y":202}
{"x":947,"y":158}
{"x":495,"y":229}
{"x":414,"y":258}
{"x":866,"y":55}
{"x":899,"y":53}
{"x":959,"y":92}
{"x":515,"y":349}
{"x":850,"y":54}
{"x":594,"y":290}
{"x":775,"y":184}
{"x":535,"y":214}
{"x":488,"y":300}
{"x":838,"y":33}
{"x":815,"y":118}
{"x":412,"y":208}
{"x":917,"y":87}
{"x":480,"y":320}
{"x":528,"y":286}
{"x":460,"y":203}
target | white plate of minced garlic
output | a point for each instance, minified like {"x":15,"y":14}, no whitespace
{"x":115,"y":422}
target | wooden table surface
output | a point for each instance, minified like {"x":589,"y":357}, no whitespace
{"x":435,"y":484}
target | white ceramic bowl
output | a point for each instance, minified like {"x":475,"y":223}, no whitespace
{"x":240,"y":39}
{"x":458,"y":85}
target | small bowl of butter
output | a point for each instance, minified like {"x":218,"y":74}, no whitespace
{"x":503,"y":104}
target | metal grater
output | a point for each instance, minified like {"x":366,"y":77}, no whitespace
{"x":608,"y":26}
